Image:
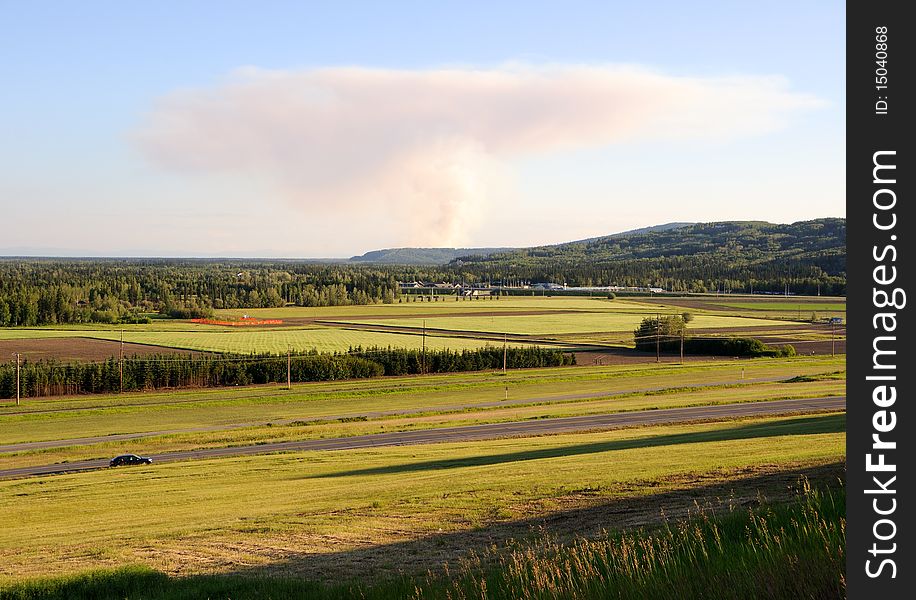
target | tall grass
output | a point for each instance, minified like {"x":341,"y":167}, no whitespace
{"x":788,"y":551}
{"x":793,"y":550}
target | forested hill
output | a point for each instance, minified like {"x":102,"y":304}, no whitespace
{"x":422,"y":256}
{"x":442,"y":256}
{"x":693,"y":257}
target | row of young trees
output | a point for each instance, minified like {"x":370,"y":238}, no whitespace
{"x":48,"y":378}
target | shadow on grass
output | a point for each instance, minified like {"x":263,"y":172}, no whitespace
{"x":795,"y":426}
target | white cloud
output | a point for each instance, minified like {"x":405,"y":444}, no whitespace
{"x":429,"y":147}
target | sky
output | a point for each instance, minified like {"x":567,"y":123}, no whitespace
{"x":305,"y":129}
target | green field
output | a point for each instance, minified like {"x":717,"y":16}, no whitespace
{"x":40,"y":419}
{"x":273,"y":341}
{"x":771,"y":551}
{"x":548,"y":324}
{"x":206,"y":516}
{"x":445,"y":305}
{"x":574,"y":320}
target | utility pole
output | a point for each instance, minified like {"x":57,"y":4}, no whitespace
{"x":832,"y":339}
{"x":682,"y":346}
{"x":17,"y":379}
{"x":121,"y":363}
{"x":504,"y":352}
{"x":423,"y":366}
{"x":289,"y":380}
{"x":658,"y":325}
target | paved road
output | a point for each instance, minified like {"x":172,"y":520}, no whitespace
{"x":480,"y":432}
{"x":118,"y":437}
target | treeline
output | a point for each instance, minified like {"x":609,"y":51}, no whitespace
{"x":153,"y":372}
{"x":40,"y":292}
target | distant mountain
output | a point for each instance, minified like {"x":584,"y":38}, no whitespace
{"x":422,"y":256}
{"x":441,"y":256}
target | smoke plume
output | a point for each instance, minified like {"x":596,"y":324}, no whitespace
{"x":430,"y":148}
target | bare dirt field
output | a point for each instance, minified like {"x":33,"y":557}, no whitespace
{"x":77,"y":348}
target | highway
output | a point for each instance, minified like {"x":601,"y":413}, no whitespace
{"x":478,"y":432}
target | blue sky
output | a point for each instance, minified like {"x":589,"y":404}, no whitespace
{"x":87,"y":85}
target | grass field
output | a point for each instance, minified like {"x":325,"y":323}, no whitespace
{"x":309,"y":426}
{"x":574,"y":320}
{"x":784,"y":551}
{"x":67,"y":417}
{"x":386,"y":516}
{"x":548,"y":324}
{"x":287,"y":511}
{"x":448,"y":305}
{"x":274,"y":341}
{"x":372,"y":514}
{"x":794,"y":308}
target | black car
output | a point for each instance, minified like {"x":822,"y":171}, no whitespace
{"x":130,"y":459}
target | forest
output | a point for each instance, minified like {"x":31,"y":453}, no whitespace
{"x":808,"y":257}
{"x":51,"y":291}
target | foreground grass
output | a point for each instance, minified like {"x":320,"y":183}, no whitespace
{"x":794,"y":550}
{"x":214,"y":515}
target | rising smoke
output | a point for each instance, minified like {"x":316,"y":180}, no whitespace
{"x":433,"y":147}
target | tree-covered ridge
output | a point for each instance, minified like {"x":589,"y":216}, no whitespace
{"x":732,"y":255}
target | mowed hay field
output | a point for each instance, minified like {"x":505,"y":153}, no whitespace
{"x":458,"y":325}
{"x":776,"y":307}
{"x":343,"y":513}
{"x":548,"y":324}
{"x":248,"y":340}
